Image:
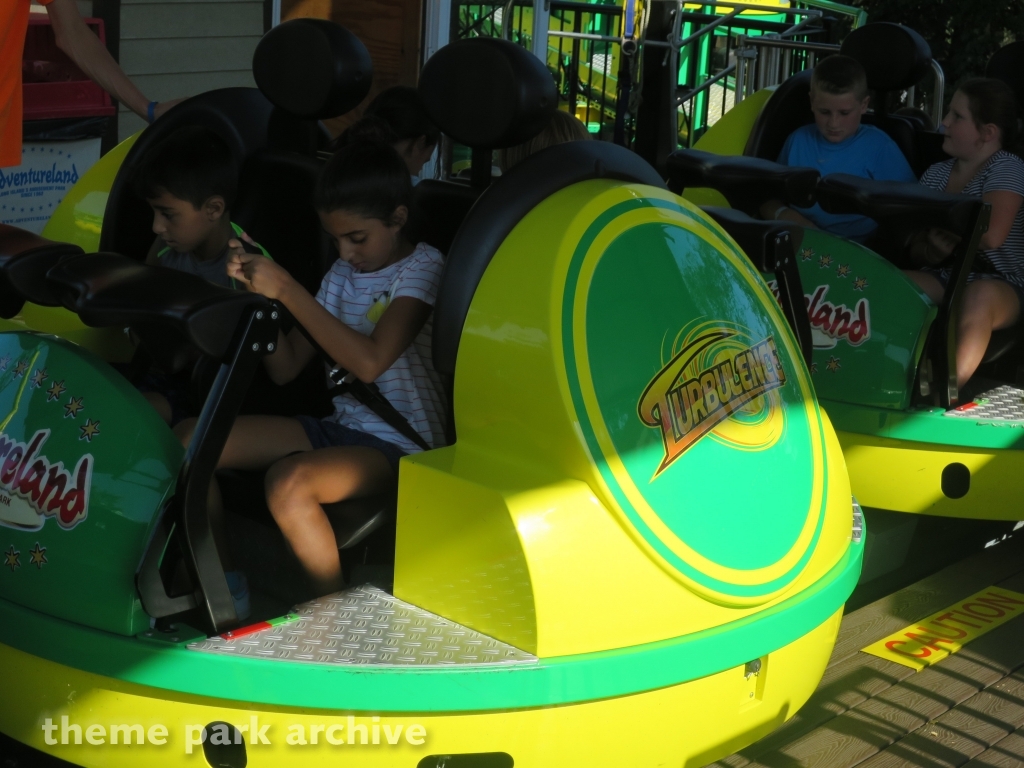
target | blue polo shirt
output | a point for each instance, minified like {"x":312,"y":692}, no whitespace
{"x":869,"y":153}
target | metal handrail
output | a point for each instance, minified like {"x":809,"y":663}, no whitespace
{"x":706,"y":85}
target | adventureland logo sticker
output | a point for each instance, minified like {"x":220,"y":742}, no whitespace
{"x":717,"y":374}
{"x":832,"y":323}
{"x":32,"y":488}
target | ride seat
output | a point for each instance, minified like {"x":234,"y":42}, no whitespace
{"x":438,"y":210}
{"x":893,"y":56}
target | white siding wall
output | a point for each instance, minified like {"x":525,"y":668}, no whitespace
{"x":176,"y":48}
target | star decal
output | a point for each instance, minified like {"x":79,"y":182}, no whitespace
{"x":860,"y":283}
{"x":38,"y":555}
{"x":12,"y":558}
{"x":89,"y":430}
{"x":807,"y":254}
{"x":4,"y":362}
{"x":39,"y":377}
{"x":20,"y":368}
{"x":55,"y":391}
{"x":73,"y":407}
{"x":825,"y":261}
{"x":843,"y":270}
{"x":814,"y":367}
{"x":833,"y":364}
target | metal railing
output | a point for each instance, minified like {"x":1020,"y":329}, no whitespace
{"x":720,"y":50}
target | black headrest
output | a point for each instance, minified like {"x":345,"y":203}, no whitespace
{"x":312,"y":68}
{"x":488,"y":93}
{"x":107,"y":289}
{"x":1007,"y":64}
{"x":893,"y":56}
{"x":501,"y":208}
{"x":24,"y":259}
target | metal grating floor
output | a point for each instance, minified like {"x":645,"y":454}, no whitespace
{"x":365,"y":625}
{"x":1005,"y":403}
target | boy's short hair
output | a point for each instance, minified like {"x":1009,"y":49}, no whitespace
{"x":193,"y":164}
{"x":839,"y":74}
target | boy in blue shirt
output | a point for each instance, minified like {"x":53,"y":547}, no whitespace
{"x":838,"y":143}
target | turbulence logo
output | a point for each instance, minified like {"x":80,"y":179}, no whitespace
{"x":713,"y":376}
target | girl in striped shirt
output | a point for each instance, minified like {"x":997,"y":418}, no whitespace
{"x":371,"y":316}
{"x":983,"y":120}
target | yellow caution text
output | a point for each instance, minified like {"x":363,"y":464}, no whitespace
{"x":931,"y":640}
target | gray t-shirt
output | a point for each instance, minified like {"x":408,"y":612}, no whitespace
{"x":213,"y":270}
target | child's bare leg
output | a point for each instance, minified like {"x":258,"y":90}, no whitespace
{"x":255,"y":442}
{"x":298,"y":485}
{"x":988,"y":306}
{"x":159,"y":404}
{"x":928,"y":283}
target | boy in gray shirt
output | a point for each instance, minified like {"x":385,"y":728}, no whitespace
{"x":189,"y":180}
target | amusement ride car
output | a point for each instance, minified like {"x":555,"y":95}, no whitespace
{"x":636,"y":552}
{"x":884,"y":353}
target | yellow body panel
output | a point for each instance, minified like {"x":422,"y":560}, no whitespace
{"x":79,"y":217}
{"x":905,"y":476}
{"x":688,"y":724}
{"x":487,"y":526}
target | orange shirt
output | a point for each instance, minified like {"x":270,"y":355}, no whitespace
{"x":13,"y":26}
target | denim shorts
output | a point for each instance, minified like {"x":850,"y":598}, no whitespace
{"x":328,"y":434}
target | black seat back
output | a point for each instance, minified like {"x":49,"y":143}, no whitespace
{"x":275,"y":207}
{"x":240,"y":116}
{"x":1007,"y":64}
{"x":893,"y":56}
{"x":438,"y":210}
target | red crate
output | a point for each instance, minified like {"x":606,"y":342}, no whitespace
{"x":52,"y":84}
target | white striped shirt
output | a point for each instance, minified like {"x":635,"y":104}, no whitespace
{"x":1004,"y":172}
{"x":412,"y":386}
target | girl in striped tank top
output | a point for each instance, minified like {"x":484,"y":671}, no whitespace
{"x":982,"y":123}
{"x":371,"y":316}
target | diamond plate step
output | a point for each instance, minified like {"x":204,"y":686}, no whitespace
{"x":365,"y":625}
{"x":1005,"y":403}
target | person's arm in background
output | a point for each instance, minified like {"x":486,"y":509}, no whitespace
{"x":85,"y":49}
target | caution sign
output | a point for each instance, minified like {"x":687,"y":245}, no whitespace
{"x":931,"y":640}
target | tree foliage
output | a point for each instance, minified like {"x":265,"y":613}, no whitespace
{"x":963,"y":34}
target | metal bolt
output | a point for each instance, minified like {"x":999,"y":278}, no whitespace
{"x":751,"y":694}
{"x":259,"y":315}
{"x":175,"y":639}
{"x":273,"y":315}
{"x":256,"y":347}
{"x":270,"y":347}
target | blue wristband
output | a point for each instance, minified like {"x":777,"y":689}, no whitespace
{"x":151,"y":111}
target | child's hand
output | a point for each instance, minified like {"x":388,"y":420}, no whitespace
{"x":940,"y":245}
{"x":257,"y":273}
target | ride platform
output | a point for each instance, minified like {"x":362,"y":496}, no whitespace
{"x":871,"y":712}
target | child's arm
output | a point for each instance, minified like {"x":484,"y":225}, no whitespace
{"x":777,"y":210}
{"x":1004,"y":211}
{"x":367,"y":357}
